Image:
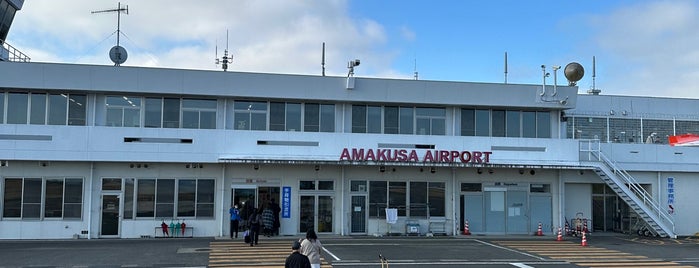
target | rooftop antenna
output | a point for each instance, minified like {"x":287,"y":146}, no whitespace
{"x":505,"y":67}
{"x":225,"y":60}
{"x":415,"y":68}
{"x":117,"y":54}
{"x":322,"y":62}
{"x":594,"y":90}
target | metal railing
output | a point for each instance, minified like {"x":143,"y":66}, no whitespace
{"x":594,"y":153}
{"x":10,"y":53}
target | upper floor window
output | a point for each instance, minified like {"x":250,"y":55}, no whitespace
{"x":123,"y":111}
{"x":284,"y":116}
{"x":505,"y":123}
{"x":430,"y":121}
{"x":250,"y":115}
{"x":42,"y":109}
{"x":398,"y":120}
{"x":198,"y":113}
{"x":366,"y":119}
{"x":318,"y":117}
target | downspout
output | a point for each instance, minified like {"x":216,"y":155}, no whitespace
{"x":89,"y":200}
{"x":223,"y":198}
{"x":342,"y":202}
{"x":454,"y":226}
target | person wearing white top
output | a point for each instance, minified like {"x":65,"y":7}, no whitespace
{"x":311,"y":247}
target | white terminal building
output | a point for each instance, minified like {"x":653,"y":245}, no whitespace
{"x":91,"y":151}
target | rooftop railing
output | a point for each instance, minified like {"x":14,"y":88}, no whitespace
{"x":10,"y":53}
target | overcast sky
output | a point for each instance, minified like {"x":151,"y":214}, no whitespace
{"x":644,"y":48}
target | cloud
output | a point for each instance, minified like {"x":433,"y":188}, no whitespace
{"x":650,"y":49}
{"x":263,"y":35}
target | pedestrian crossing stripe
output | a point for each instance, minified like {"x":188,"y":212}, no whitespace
{"x":238,"y":254}
{"x":586,"y":256}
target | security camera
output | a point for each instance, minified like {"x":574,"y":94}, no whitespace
{"x":563,"y":102}
{"x":353,"y":63}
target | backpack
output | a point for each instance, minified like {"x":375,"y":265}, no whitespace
{"x":255,"y":219}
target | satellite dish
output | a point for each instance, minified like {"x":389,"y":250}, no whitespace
{"x":118,"y":55}
{"x":574,"y":72}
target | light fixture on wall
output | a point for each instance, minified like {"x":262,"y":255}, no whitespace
{"x":317,"y":167}
{"x":433,"y":170}
{"x":521,"y":171}
{"x":479,"y":171}
{"x":255,"y":166}
{"x":382,"y":169}
{"x":490,"y":171}
{"x":532,"y":172}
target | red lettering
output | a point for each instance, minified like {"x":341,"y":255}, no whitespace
{"x":465,"y":156}
{"x":454,"y":156}
{"x":444,"y":156}
{"x":428,"y":157}
{"x":345,"y":155}
{"x":357,"y":154}
{"x":370,"y":155}
{"x":477,"y":157}
{"x":402,"y":155}
{"x":487,"y":156}
{"x":413,"y":156}
{"x":381,"y":154}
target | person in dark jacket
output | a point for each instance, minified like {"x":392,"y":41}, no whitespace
{"x":296,"y":259}
{"x":254,"y":222}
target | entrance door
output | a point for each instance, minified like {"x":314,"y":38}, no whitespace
{"x":473,"y":212}
{"x":517,"y":212}
{"x":359,"y":217}
{"x":316,"y":211}
{"x":245,"y":197}
{"x":111,"y":210}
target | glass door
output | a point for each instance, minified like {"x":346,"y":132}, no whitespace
{"x":111,"y":210}
{"x":359,"y":217}
{"x":316,"y":211}
{"x":244,"y":196}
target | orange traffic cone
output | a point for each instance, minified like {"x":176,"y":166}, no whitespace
{"x":539,"y":231}
{"x":584,"y":240}
{"x":466,"y":230}
{"x":560,"y":235}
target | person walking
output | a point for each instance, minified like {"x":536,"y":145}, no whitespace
{"x":235,"y":220}
{"x":296,"y":259}
{"x":311,"y":247}
{"x":268,"y":220}
{"x":254,"y":221}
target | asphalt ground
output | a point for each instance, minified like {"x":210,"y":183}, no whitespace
{"x":616,"y":250}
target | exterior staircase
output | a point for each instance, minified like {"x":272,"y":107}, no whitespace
{"x":656,"y":219}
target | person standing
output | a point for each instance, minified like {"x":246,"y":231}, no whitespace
{"x":311,"y":247}
{"x":275,"y":210}
{"x":296,"y":259}
{"x":268,"y":220}
{"x":235,"y":220}
{"x":254,"y":222}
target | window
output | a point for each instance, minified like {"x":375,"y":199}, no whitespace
{"x":430,"y":121}
{"x":165,"y":198}
{"x":123,"y":111}
{"x":378,"y":198}
{"x":205,"y":198}
{"x":468,"y":122}
{"x":111,"y":184}
{"x":250,"y":115}
{"x":171,"y":113}
{"x":145,"y":198}
{"x":436,"y":198}
{"x":61,"y":198}
{"x":418,"y":199}
{"x":358,"y":186}
{"x":17,"y":108}
{"x":37,"y":110}
{"x":318,"y":117}
{"x":390,"y":120}
{"x":497,"y":118}
{"x":2,"y":107}
{"x":198,"y":114}
{"x":58,"y":109}
{"x":529,"y":124}
{"x":396,"y":196}
{"x":407,"y":120}
{"x":77,"y":110}
{"x":128,"y":197}
{"x":319,"y":185}
{"x":153,"y":113}
{"x":483,"y":123}
{"x":543,"y":125}
{"x":186,"y":194}
{"x":358,"y":119}
{"x":284,"y":116}
{"x":512,"y":125}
